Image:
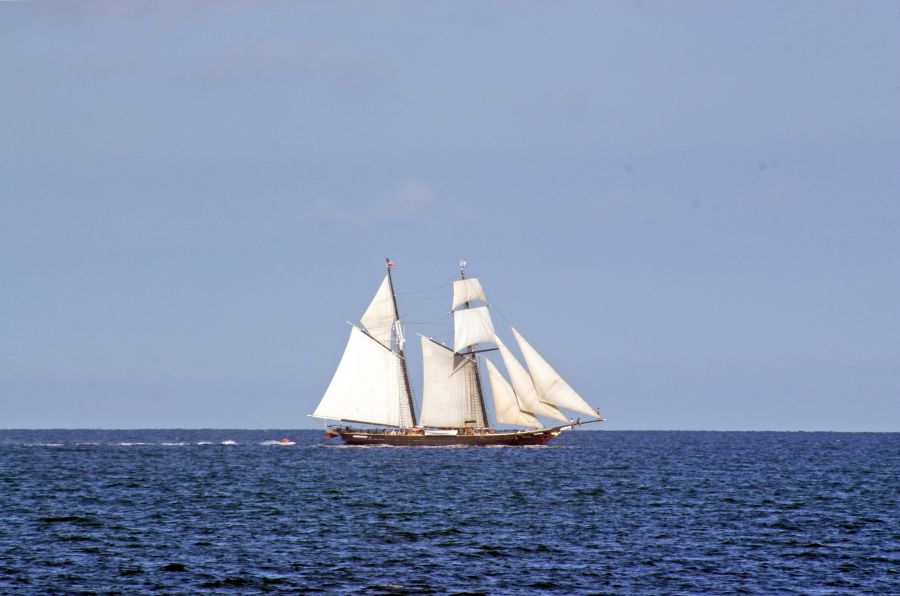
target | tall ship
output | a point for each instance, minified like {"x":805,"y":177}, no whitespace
{"x":371,"y":384}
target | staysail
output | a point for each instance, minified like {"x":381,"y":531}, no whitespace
{"x":506,"y":407}
{"x":367,"y":385}
{"x":524,"y":386}
{"x":449,"y":398}
{"x":551,"y":387}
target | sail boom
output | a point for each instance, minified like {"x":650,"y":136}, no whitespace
{"x":351,"y":420}
{"x":377,"y":341}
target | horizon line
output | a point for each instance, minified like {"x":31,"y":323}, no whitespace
{"x":224,"y":428}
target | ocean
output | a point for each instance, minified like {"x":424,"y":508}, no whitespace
{"x":192,"y":511}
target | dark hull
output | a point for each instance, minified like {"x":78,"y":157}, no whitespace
{"x":362,"y":437}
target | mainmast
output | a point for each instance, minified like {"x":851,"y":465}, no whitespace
{"x":479,"y":392}
{"x":409,"y":400}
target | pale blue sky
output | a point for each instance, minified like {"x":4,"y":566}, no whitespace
{"x":691,"y":209}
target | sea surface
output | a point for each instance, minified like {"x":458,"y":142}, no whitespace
{"x":189,"y":511}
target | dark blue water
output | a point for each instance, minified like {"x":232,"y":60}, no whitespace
{"x":602,"y":512}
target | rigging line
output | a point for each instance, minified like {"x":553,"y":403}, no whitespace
{"x":502,"y":314}
{"x":427,"y":296}
{"x":417,"y":291}
{"x":429,"y":292}
{"x":416,"y":306}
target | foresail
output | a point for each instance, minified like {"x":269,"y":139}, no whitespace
{"x":506,"y":406}
{"x":366,"y":386}
{"x":378,"y":319}
{"x":467,"y":290}
{"x":447,"y":390}
{"x":524,"y":386}
{"x":544,"y":409}
{"x":551,"y":387}
{"x":472,"y":326}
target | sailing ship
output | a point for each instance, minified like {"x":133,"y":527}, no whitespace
{"x":371,"y":384}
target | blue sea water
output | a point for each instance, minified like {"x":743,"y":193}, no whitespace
{"x":178,"y":511}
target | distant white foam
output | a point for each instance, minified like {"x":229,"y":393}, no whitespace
{"x":178,"y":444}
{"x":229,"y":442}
{"x":205,"y":443}
{"x":457,"y":446}
{"x":129,"y":444}
{"x":278,"y":443}
{"x":45,"y":444}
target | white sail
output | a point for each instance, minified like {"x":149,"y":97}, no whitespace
{"x":472,"y":326}
{"x":551,"y":387}
{"x":467,"y":290}
{"x":446,"y":394}
{"x":545,"y":409}
{"x":524,"y":386}
{"x":366,"y":386}
{"x":378,"y":319}
{"x":506,"y":406}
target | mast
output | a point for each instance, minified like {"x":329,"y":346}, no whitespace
{"x":409,"y":400}
{"x":479,"y":392}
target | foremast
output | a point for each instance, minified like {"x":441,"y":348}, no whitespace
{"x":408,"y":413}
{"x":371,"y":383}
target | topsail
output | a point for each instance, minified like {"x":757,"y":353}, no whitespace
{"x":379,"y":317}
{"x":467,"y":290}
{"x":472,"y":326}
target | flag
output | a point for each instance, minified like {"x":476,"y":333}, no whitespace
{"x":390,"y":264}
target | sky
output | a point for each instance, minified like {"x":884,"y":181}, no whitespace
{"x":691,"y":209}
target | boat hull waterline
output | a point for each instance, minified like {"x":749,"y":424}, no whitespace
{"x":351,"y":436}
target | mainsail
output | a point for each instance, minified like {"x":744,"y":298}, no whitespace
{"x":551,"y":387}
{"x":524,"y":386}
{"x":367,"y":385}
{"x":449,"y":394}
{"x":507,"y":408}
